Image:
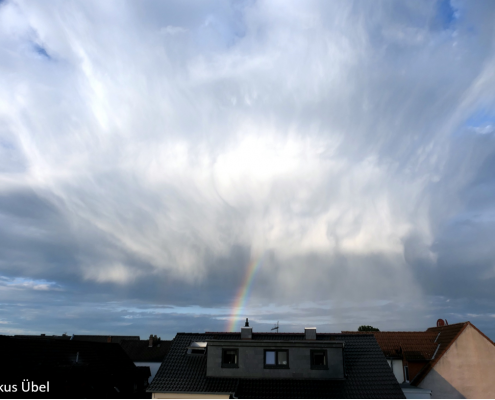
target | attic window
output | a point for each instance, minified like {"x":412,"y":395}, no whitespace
{"x":276,"y":359}
{"x":197,"y":348}
{"x":196,"y":351}
{"x":319,"y":359}
{"x":230,"y":358}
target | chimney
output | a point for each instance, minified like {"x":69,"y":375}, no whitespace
{"x":246,"y":331}
{"x":109,"y":339}
{"x":42,"y":334}
{"x":310,"y":333}
{"x":150,"y":344}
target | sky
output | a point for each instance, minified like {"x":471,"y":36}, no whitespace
{"x":179,"y":166}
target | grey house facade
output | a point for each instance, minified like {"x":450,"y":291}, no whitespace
{"x":274,"y":365}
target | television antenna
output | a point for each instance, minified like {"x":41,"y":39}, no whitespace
{"x":275,"y":327}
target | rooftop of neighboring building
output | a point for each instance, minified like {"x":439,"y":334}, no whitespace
{"x":428,"y":346}
{"x":367,"y":373}
{"x":81,"y":338}
{"x":152,"y":350}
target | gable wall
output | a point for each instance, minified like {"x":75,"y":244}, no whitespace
{"x":467,"y":370}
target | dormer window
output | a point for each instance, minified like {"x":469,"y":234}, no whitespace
{"x":230,"y":358}
{"x":319,"y":359}
{"x":276,"y":358}
{"x":197,"y":348}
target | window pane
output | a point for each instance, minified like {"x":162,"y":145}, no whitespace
{"x":230,"y":357}
{"x":319,"y":358}
{"x":270,"y":358}
{"x":282,"y":358}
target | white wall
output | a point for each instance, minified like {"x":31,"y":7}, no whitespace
{"x":397,"y":368}
{"x":153,"y":367}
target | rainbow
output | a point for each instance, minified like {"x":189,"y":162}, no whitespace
{"x":243,"y":293}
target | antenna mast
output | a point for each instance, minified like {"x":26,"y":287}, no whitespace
{"x":275,"y":327}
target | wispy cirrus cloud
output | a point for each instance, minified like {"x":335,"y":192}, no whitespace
{"x":148,"y":151}
{"x":30,"y":284}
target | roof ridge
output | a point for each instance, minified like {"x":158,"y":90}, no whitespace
{"x":446,"y":326}
{"x":486,"y":337}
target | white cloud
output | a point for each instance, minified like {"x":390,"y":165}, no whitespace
{"x":321,"y":133}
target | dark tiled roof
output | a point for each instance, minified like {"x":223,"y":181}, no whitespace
{"x":103,"y":338}
{"x":43,"y":337}
{"x":82,"y":369}
{"x":367,"y":372}
{"x":81,"y":338}
{"x":139,"y":350}
{"x":64,"y":353}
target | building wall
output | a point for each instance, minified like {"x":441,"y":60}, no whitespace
{"x":154,"y":366}
{"x":397,"y":368}
{"x":467,"y":370}
{"x":251,"y":363}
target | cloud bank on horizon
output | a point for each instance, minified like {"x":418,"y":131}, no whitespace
{"x":150,"y":151}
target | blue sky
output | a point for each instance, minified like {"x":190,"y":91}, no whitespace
{"x":149,"y":151}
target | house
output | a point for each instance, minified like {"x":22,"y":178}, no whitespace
{"x":274,"y":365}
{"x":52,"y":368}
{"x":464,"y":366}
{"x":149,"y":353}
{"x":144,"y":353}
{"x":449,"y":361}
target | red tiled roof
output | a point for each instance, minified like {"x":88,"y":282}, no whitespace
{"x":411,"y":345}
{"x":430,"y":345}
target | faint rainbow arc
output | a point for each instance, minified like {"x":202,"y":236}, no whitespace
{"x":243,"y":293}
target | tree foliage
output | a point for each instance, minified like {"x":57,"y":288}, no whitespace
{"x":367,"y":328}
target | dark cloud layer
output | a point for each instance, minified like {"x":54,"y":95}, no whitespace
{"x":150,"y":151}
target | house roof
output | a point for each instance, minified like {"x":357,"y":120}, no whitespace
{"x":63,"y":353}
{"x":410,"y":345}
{"x":417,"y":346}
{"x":367,"y":371}
{"x":104,"y":338}
{"x":414,"y":346}
{"x":139,"y":350}
{"x":91,"y":370}
{"x":446,"y":336}
{"x":429,"y":345}
{"x":81,"y":338}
